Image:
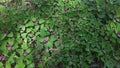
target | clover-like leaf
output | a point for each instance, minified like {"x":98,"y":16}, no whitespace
{"x":10,"y":34}
{"x":2,"y":36}
{"x":7,"y":65}
{"x":20,"y":52}
{"x":41,"y":21}
{"x":36,"y":28}
{"x":49,"y":44}
{"x":1,"y":65}
{"x":24,"y":46}
{"x":24,"y":35}
{"x":11,"y":41}
{"x":29,"y":24}
{"x":20,"y":63}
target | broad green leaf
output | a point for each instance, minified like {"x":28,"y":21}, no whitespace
{"x":118,"y":28}
{"x":20,"y":63}
{"x":2,"y":8}
{"x":24,"y":8}
{"x":2,"y":36}
{"x":7,"y":65}
{"x":19,"y":40}
{"x":10,"y":34}
{"x":118,"y":12}
{"x":100,"y":2}
{"x":57,"y":43}
{"x":3,"y":47}
{"x":11,"y":41}
{"x":23,"y":28}
{"x":109,"y":64}
{"x":24,"y":35}
{"x":36,"y":28}
{"x":41,"y":21}
{"x":24,"y":46}
{"x":29,"y":30}
{"x":28,"y":61}
{"x":15,"y":46}
{"x":52,"y":38}
{"x":11,"y":58}
{"x":49,"y":44}
{"x":1,"y":65}
{"x":20,"y":51}
{"x":32,"y":65}
{"x":42,"y":33}
{"x":29,"y":24}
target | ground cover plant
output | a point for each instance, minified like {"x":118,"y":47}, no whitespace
{"x":60,"y":34}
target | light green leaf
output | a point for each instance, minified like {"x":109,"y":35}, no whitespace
{"x":3,"y":47}
{"x":8,"y":65}
{"x":24,"y":35}
{"x":42,"y":33}
{"x":20,"y":51}
{"x":32,"y":65}
{"x":20,"y":63}
{"x":10,"y":34}
{"x":29,"y":30}
{"x":11,"y":58}
{"x":1,"y":65}
{"x":11,"y":41}
{"x":118,"y":28}
{"x":52,"y":38}
{"x":24,"y":46}
{"x":19,"y":40}
{"x":29,"y":24}
{"x":49,"y":44}
{"x":2,"y":8}
{"x":41,"y":21}
{"x":2,"y":36}
{"x":118,"y":12}
{"x":36,"y":28}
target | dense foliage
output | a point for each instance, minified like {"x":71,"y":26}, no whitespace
{"x":60,"y":34}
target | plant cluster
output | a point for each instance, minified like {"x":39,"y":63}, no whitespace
{"x":60,"y":34}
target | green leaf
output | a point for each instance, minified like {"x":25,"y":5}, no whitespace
{"x":11,"y":58}
{"x":19,"y":40}
{"x":32,"y":65}
{"x":49,"y":44}
{"x":52,"y":38}
{"x":118,"y":28}
{"x":100,"y":2}
{"x":20,"y":63}
{"x":109,"y":64}
{"x":117,"y":2}
{"x":29,"y":24}
{"x":20,"y":51}
{"x":24,"y":46}
{"x":42,"y":33}
{"x":2,"y":8}
{"x":36,"y":28}
{"x":118,"y":12}
{"x":29,"y":30}
{"x":11,"y":41}
{"x":118,"y":66}
{"x":24,"y":35}
{"x":10,"y":34}
{"x":57,"y":43}
{"x":3,"y":47}
{"x":8,"y":65}
{"x":2,"y":36}
{"x":1,"y":65}
{"x":24,"y":8}
{"x":41,"y":21}
{"x":28,"y":61}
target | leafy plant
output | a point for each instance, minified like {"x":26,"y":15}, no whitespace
{"x":60,"y":34}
